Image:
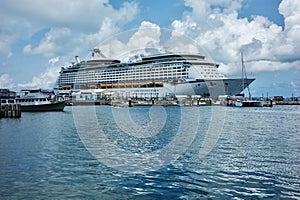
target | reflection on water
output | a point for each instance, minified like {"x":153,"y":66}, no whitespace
{"x":256,"y":156}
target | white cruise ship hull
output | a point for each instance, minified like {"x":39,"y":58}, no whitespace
{"x":213,"y":88}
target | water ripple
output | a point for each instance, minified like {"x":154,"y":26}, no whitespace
{"x":256,"y":156}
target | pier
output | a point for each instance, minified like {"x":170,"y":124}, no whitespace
{"x":10,"y":109}
{"x":287,"y":102}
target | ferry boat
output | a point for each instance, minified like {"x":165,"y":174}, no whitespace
{"x":36,"y":100}
{"x":161,"y":75}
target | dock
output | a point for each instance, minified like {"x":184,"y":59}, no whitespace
{"x":287,"y":102}
{"x":166,"y":102}
{"x":9,"y":109}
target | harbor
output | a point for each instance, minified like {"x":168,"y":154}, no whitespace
{"x":12,"y":105}
{"x":43,"y":157}
{"x":147,"y":137}
{"x":150,"y":100}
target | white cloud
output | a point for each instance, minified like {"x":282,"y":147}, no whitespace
{"x":44,"y":80}
{"x":55,"y":42}
{"x":268,"y":65}
{"x":266,"y":46}
{"x":77,"y":26}
{"x":148,"y":35}
{"x":290,"y":9}
{"x":71,"y":23}
{"x":75,"y":14}
{"x":73,"y":27}
{"x":125,"y":43}
{"x":11,"y":29}
{"x":53,"y":61}
{"x":149,"y":38}
{"x":6,"y":81}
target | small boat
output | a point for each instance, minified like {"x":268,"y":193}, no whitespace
{"x":252,"y":103}
{"x":36,"y":100}
{"x":240,"y":100}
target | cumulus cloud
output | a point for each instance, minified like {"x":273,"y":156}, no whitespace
{"x":46,"y":79}
{"x":149,"y":38}
{"x":75,"y":14}
{"x":58,"y":28}
{"x":290,"y":9}
{"x":124,"y":43}
{"x":12,"y":29}
{"x":74,"y":27}
{"x":53,"y":61}
{"x":69,"y":22}
{"x":52,"y":44}
{"x":223,"y":34}
{"x":148,"y":35}
{"x":6,"y":81}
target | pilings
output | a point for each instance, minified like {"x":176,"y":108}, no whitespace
{"x":9,"y":108}
{"x":10,"y":111}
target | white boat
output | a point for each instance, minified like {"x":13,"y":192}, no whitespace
{"x":35,"y":100}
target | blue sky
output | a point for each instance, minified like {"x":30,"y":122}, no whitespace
{"x":37,"y":40}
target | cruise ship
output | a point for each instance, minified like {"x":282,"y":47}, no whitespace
{"x":158,"y":75}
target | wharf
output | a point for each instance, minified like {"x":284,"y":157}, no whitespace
{"x":143,"y":102}
{"x":153,"y":103}
{"x":287,"y":102}
{"x":9,"y":109}
{"x":171,"y":102}
{"x":88,"y":102}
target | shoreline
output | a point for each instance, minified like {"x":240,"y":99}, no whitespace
{"x":186,"y":102}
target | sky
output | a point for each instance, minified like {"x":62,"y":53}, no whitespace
{"x":37,"y":37}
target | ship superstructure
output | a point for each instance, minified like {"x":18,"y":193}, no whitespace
{"x":153,"y":76}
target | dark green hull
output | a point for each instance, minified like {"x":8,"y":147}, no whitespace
{"x":55,"y":106}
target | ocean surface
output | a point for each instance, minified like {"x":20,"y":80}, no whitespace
{"x":158,"y":152}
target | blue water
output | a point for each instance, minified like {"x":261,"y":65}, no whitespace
{"x":256,"y":155}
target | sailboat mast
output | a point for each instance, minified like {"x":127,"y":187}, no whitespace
{"x":244,"y":75}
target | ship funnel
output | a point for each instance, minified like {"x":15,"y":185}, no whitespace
{"x":77,"y":59}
